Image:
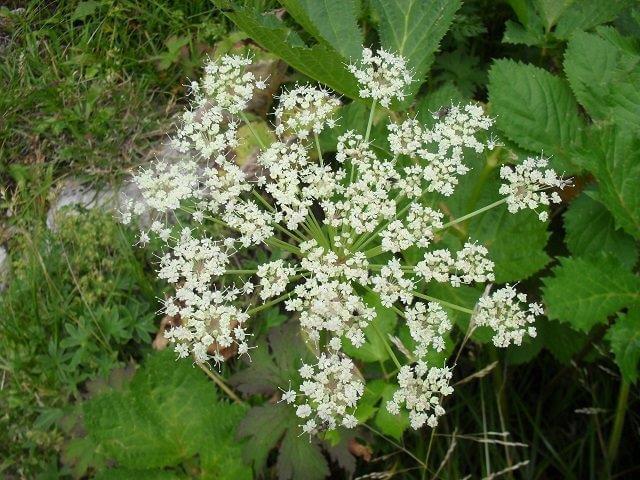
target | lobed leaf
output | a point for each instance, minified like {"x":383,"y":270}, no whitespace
{"x":584,"y":292}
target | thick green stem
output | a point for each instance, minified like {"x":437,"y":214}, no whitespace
{"x":273,"y":302}
{"x":474,"y":213}
{"x":443,"y":303}
{"x":315,"y":136}
{"x":370,"y":123}
{"x":255,"y":134}
{"x":618,"y":424}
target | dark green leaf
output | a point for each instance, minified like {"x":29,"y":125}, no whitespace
{"x":585,"y":292}
{"x":320,"y":62}
{"x":332,"y":21}
{"x":624,"y":336}
{"x":536,"y":110}
{"x":590,"y":231}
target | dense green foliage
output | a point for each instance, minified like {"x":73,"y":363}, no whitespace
{"x":85,"y":88}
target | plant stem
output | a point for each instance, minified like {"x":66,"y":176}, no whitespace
{"x":220,"y":382}
{"x":443,"y":303}
{"x":273,"y":302}
{"x":315,"y":136}
{"x":370,"y":124}
{"x":386,"y":345}
{"x":474,"y":213}
{"x":255,"y":134}
{"x":618,"y":425}
{"x":426,"y":458}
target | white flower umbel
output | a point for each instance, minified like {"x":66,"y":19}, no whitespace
{"x":507,"y":313}
{"x":327,"y":238}
{"x":528,"y":185}
{"x":304,"y":110}
{"x":330,"y":391}
{"x":382,"y":76}
{"x":420,"y":391}
{"x":274,"y":277}
{"x":427,"y":324}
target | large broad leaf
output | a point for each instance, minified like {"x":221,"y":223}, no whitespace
{"x":613,"y":156}
{"x":536,"y":110}
{"x":584,"y":292}
{"x":605,"y":78}
{"x":413,"y":29}
{"x":591,"y":231}
{"x":319,"y":62}
{"x":586,"y":14}
{"x":167,"y":414}
{"x":332,"y":21}
{"x":389,"y":424}
{"x":624,"y":336}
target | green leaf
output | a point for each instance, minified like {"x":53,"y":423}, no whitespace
{"x":370,"y":398}
{"x":413,"y":29}
{"x":332,"y":21}
{"x":560,"y":339}
{"x":166,"y":415}
{"x":320,"y":62}
{"x":516,"y":34}
{"x":127,"y":474}
{"x":584,"y":292}
{"x":590,"y":231}
{"x":551,"y":10}
{"x":389,"y":424}
{"x":604,"y":78}
{"x":300,"y":457}
{"x":374,"y":349}
{"x":613,"y":156}
{"x":535,"y":110}
{"x":586,"y":14}
{"x":516,"y":242}
{"x":624,"y":336}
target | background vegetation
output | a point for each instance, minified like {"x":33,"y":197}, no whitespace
{"x":88,"y":92}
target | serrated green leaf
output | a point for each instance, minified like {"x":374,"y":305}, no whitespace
{"x":263,"y":427}
{"x":613,"y":156}
{"x":332,"y":21}
{"x":413,"y":29}
{"x":624,"y":336}
{"x":551,"y":10}
{"x":584,"y":292}
{"x":167,"y":414}
{"x":590,"y":231}
{"x":374,"y":349}
{"x":536,"y":110}
{"x":300,"y":457}
{"x":604,"y":78}
{"x":516,"y":34}
{"x":389,"y":424}
{"x":586,"y":14}
{"x":320,"y":62}
{"x":127,"y":474}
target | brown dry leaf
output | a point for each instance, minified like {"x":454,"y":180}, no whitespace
{"x":359,"y":450}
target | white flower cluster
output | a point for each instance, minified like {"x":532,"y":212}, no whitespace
{"x":304,"y":110}
{"x":421,"y":389}
{"x":330,"y":391}
{"x":427,"y":324}
{"x":527,"y":185}
{"x":504,"y":313}
{"x":440,"y":149}
{"x":338,"y":228}
{"x":382,"y":76}
{"x":274,"y":277}
{"x":471,"y":264}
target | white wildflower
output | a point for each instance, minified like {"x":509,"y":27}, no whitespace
{"x":382,"y":76}
{"x":508,"y":315}
{"x":420,"y":390}
{"x":527,"y":185}
{"x":304,"y":110}
{"x":427,"y":325}
{"x":274,"y":277}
